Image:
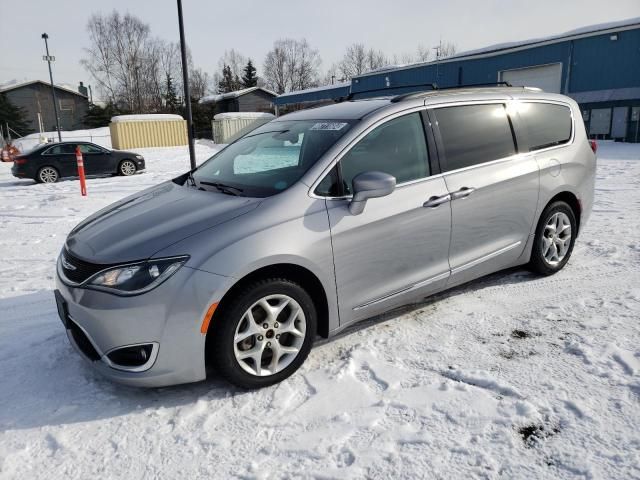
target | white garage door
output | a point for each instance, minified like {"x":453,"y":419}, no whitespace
{"x":546,"y":77}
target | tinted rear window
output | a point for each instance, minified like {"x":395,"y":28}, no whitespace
{"x":474,"y":134}
{"x":545,"y":124}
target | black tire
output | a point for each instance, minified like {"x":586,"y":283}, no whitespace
{"x":220,"y":337}
{"x":127,"y":167}
{"x":538,"y":262}
{"x":47,"y":174}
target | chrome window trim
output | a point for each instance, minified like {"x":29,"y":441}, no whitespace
{"x":354,"y":141}
{"x":506,"y":101}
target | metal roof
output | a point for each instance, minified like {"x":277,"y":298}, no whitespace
{"x":7,"y":88}
{"x":351,"y":110}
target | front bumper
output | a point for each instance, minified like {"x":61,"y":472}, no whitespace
{"x":168,"y":318}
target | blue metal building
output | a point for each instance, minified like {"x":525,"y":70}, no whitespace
{"x":598,"y":66}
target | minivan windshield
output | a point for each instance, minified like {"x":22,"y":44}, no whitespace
{"x":271,"y":158}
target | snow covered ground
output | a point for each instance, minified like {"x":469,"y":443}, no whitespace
{"x":512,"y":376}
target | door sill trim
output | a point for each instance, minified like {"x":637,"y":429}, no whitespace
{"x":483,"y":259}
{"x":415,"y":286}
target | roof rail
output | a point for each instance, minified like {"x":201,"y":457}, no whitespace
{"x":400,"y":98}
{"x":352,"y":94}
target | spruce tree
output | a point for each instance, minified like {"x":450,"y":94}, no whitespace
{"x":14,"y":116}
{"x":249,"y":79}
{"x":171,"y":98}
{"x":227,"y":83}
{"x":98,"y":116}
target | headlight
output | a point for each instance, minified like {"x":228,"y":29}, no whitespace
{"x":136,"y":278}
{"x":139,"y":157}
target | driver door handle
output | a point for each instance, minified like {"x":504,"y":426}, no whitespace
{"x":462,"y":193}
{"x":435,"y":201}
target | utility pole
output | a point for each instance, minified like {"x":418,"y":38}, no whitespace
{"x":438,"y":50}
{"x":185,"y":82}
{"x":48,"y":58}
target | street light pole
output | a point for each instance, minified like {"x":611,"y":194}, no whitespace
{"x":53,"y":89}
{"x":185,"y":81}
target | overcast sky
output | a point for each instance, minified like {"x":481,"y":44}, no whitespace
{"x":250,"y":27}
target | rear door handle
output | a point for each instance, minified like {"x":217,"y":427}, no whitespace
{"x":462,"y":193}
{"x":435,"y":201}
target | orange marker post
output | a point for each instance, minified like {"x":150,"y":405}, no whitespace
{"x":83,"y":185}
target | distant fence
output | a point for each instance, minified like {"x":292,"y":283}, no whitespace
{"x":229,"y":126}
{"x":148,"y":133}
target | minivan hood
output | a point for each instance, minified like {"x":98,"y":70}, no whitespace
{"x":138,"y":226}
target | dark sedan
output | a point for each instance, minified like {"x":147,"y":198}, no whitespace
{"x":50,"y":162}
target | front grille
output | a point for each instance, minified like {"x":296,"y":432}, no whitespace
{"x":82,"y":341}
{"x":80,"y":270}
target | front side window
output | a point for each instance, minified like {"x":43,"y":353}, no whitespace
{"x":273,"y":157}
{"x":84,"y":148}
{"x":397,"y":147}
{"x":545,"y":124}
{"x":474,"y":134}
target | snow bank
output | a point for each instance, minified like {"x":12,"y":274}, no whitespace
{"x":236,"y":115}
{"x":450,"y":388}
{"x":100,"y":136}
{"x":147,"y":117}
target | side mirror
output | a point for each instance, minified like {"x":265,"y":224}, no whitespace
{"x":368,"y":185}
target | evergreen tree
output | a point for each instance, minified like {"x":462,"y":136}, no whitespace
{"x":228,"y":83}
{"x":14,"y":116}
{"x":170,"y":96}
{"x":98,"y":116}
{"x":249,"y":79}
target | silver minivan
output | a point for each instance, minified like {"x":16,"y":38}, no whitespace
{"x":319,"y":219}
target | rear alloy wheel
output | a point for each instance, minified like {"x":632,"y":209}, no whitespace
{"x":554,"y":240}
{"x":265,"y":334}
{"x":127,"y":168}
{"x":47,"y":175}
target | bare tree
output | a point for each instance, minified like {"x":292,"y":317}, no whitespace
{"x":129,"y":66}
{"x":291,"y":65}
{"x":357,"y":60}
{"x":198,"y":83}
{"x":447,"y":49}
{"x":423,"y":54}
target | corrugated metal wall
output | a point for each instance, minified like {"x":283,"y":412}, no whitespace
{"x":597,"y":62}
{"x":226,"y":130}
{"x":141,"y":134}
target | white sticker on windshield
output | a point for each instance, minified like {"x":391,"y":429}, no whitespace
{"x":329,"y":126}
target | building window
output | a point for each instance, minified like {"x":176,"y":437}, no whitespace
{"x":585,"y":115}
{"x":66,"y":104}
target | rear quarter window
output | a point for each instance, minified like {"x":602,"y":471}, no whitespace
{"x":545,"y":124}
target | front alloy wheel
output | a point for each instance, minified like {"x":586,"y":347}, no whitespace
{"x":263,"y":333}
{"x":270,"y":335}
{"x":127,"y":167}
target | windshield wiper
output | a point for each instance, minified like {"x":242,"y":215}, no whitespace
{"x":228,"y":189}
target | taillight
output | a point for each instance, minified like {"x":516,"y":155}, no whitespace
{"x":594,"y":145}
{"x":19,"y":160}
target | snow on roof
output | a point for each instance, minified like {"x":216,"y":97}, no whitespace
{"x":232,"y":115}
{"x":147,"y":117}
{"x":238,"y":93}
{"x":317,"y":89}
{"x":7,"y":87}
{"x":500,"y":48}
